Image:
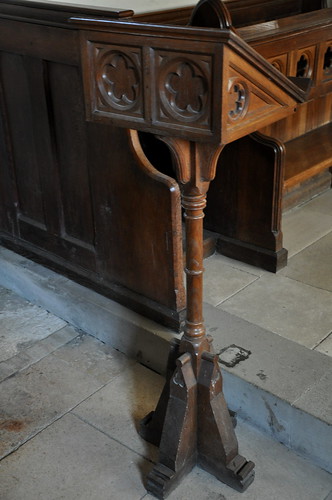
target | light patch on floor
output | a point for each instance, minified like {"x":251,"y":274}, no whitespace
{"x":22,"y":324}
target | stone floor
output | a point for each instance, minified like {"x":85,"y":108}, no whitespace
{"x":70,"y":405}
{"x":68,"y":427}
{"x":295,"y":303}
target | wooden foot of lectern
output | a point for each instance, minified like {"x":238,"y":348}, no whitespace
{"x":191,"y":423}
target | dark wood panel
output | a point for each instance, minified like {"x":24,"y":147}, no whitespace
{"x":71,"y":251}
{"x":244,"y":202}
{"x":172,"y":16}
{"x":8,"y":193}
{"x":70,"y":144}
{"x":310,"y":115}
{"x":43,"y":145}
{"x":138,"y":227}
{"x":54,"y":14}
{"x":75,"y":195}
{"x":43,"y":42}
{"x":303,"y":161}
{"x":19,"y":112}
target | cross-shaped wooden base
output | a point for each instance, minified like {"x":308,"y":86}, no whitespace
{"x":192,"y":425}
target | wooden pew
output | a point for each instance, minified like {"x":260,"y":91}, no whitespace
{"x":243,"y":12}
{"x":288,"y":162}
{"x":55,"y":202}
{"x":307,"y":138}
{"x":65,"y":184}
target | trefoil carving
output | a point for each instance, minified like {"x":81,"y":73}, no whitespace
{"x":238,"y":95}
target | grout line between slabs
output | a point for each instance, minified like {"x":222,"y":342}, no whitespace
{"x":309,"y":389}
{"x":237,"y":292}
{"x":321,"y":341}
{"x":309,"y":244}
{"x":111,"y":437}
{"x":38,"y":359}
{"x":57,"y":418}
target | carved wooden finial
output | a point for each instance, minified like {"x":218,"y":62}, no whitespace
{"x":211,"y":14}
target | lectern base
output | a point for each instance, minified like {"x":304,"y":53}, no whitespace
{"x":192,"y":426}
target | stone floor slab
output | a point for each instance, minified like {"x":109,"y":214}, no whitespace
{"x":291,"y":309}
{"x":71,"y":460}
{"x":39,"y":395}
{"x":22,"y":324}
{"x":36,"y":352}
{"x":280,"y":475}
{"x":300,"y":232}
{"x":117,"y":408}
{"x":321,"y":204}
{"x":93,"y":358}
{"x":313,"y":265}
{"x":221,"y":281}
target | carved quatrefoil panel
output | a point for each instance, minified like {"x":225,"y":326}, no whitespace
{"x":184,"y":90}
{"x":118,"y":80}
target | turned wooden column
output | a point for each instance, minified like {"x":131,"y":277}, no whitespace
{"x":191,"y":423}
{"x":195,"y":165}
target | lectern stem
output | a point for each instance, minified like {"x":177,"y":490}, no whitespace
{"x":191,"y":423}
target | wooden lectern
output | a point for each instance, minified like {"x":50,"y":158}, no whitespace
{"x":197,"y":89}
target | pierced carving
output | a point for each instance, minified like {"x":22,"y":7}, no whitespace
{"x":118,"y":79}
{"x":303,"y":66}
{"x":327,"y":65}
{"x":238,"y":95}
{"x":184,"y":90}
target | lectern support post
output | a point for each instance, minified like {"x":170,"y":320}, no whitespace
{"x":191,"y":423}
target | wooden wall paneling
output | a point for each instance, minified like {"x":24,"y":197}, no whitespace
{"x":8,"y":191}
{"x":36,"y":71}
{"x":71,"y":151}
{"x":42,"y":42}
{"x":17,"y":98}
{"x":321,"y":109}
{"x":61,"y":203}
{"x":179,"y":16}
{"x":310,"y":115}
